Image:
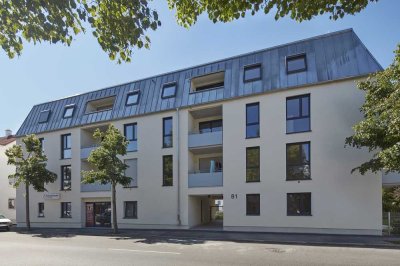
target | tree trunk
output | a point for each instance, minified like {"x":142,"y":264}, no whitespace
{"x":114,"y":209}
{"x":28,"y":220}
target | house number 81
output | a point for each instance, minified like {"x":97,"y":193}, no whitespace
{"x":233,"y":196}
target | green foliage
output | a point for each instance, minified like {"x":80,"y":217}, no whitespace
{"x":391,"y":199}
{"x":380,"y":129}
{"x":109,"y":167}
{"x":188,"y":11}
{"x":30,"y":165}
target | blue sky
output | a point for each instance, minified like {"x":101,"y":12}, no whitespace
{"x":46,"y":72}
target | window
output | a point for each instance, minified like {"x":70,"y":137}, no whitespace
{"x":130,"y":209}
{"x":253,"y":164}
{"x":44,"y":116}
{"x":69,"y":111}
{"x":167,"y":170}
{"x":11,"y":203}
{"x":130,"y":132}
{"x":167,"y":132}
{"x":298,"y":161}
{"x":41,"y":140}
{"x":298,"y":114}
{"x":66,"y":146}
{"x":99,"y":105}
{"x":252,"y":120}
{"x":253,"y":204}
{"x":252,"y":73}
{"x":66,"y":177}
{"x":169,"y":90}
{"x":210,"y":126}
{"x":299,"y":204}
{"x":296,"y":63}
{"x":41,"y":209}
{"x":132,"y":98}
{"x":131,"y":171}
{"x":66,"y":210}
{"x":208,"y":82}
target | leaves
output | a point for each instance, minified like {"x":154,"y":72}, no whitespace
{"x":380,"y":129}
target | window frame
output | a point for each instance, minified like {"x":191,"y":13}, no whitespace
{"x":253,"y":167}
{"x":68,"y":107}
{"x":249,"y":67}
{"x":63,"y":144}
{"x":166,"y":85}
{"x":164,"y":135}
{"x":135,"y":216}
{"x":40,"y":210}
{"x":210,"y":122}
{"x":41,"y":121}
{"x":99,"y":99}
{"x":11,"y":200}
{"x":134,"y":134}
{"x":248,"y":213}
{"x":63,"y":167}
{"x":164,"y":179}
{"x":293,"y":57}
{"x":298,"y":193}
{"x":137,"y":92}
{"x":64,"y":207}
{"x":301,"y":116}
{"x":252,"y":124}
{"x":309,"y":156}
{"x":41,"y":140}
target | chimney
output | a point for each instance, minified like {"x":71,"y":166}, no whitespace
{"x":8,"y":132}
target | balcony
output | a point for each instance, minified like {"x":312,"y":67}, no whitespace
{"x":209,"y":179}
{"x":85,"y":151}
{"x":96,"y":187}
{"x":390,"y":179}
{"x":209,"y":139}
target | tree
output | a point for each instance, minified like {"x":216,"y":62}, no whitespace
{"x":109,"y":168}
{"x":121,"y":26}
{"x":380,"y":129}
{"x":390,"y":199}
{"x":30,"y":168}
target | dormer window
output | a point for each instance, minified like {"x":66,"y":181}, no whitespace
{"x":252,"y":73}
{"x":69,"y":111}
{"x":296,"y":63}
{"x":169,"y":90}
{"x":208,"y":82}
{"x":132,"y":98}
{"x":44,"y":116}
{"x":99,"y":105}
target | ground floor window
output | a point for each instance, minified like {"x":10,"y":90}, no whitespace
{"x":41,"y":209}
{"x":11,"y":203}
{"x":299,"y":204}
{"x":253,"y":204}
{"x":130,"y":209}
{"x":66,"y":210}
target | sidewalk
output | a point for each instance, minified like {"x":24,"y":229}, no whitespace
{"x":194,"y":236}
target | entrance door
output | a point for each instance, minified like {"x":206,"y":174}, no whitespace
{"x":98,"y":214}
{"x":89,"y":214}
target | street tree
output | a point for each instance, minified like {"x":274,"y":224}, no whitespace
{"x":108,"y":167}
{"x":30,"y":164}
{"x":122,"y":26}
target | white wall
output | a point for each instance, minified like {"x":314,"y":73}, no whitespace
{"x":7,"y":191}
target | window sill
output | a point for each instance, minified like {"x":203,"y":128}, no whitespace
{"x":170,"y":147}
{"x":65,"y":190}
{"x":298,"y":180}
{"x":251,"y":80}
{"x":305,"y":131}
{"x":66,"y":158}
{"x":252,"y":214}
{"x":66,"y":217}
{"x":41,"y":217}
{"x":299,"y":215}
{"x":130,"y":218}
{"x":167,"y":185}
{"x":132,"y":151}
{"x":253,"y":137}
{"x":258,"y":181}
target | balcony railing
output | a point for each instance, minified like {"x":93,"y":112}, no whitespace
{"x":95,"y":187}
{"x":205,"y":179}
{"x":85,"y":151}
{"x":391,"y":179}
{"x":197,"y":140}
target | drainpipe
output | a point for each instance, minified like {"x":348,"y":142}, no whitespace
{"x":178,"y":156}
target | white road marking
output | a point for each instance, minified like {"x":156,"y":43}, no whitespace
{"x":146,"y":251}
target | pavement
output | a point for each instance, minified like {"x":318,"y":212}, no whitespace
{"x":188,"y":247}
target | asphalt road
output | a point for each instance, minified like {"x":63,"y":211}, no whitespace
{"x":18,"y":248}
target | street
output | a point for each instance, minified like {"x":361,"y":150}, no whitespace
{"x":157,"y":248}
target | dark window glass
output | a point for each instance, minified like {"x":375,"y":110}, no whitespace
{"x":167,"y":170}
{"x":44,"y":116}
{"x":298,"y":114}
{"x":253,"y":204}
{"x":130,"y":132}
{"x":169,"y":90}
{"x":69,"y":111}
{"x":41,"y":209}
{"x":130,"y":209}
{"x":66,"y":146}
{"x":66,"y":177}
{"x":252,"y":120}
{"x":298,"y":161}
{"x":210,"y":86}
{"x":253,"y":164}
{"x":132,"y":98}
{"x":41,"y":140}
{"x":296,"y":63}
{"x":299,"y":204}
{"x":66,"y":210}
{"x":252,"y":73}
{"x":167,"y":132}
{"x":11,"y":203}
{"x":210,"y":126}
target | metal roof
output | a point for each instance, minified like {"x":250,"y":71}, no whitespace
{"x":330,"y":57}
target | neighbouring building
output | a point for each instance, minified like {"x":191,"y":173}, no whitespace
{"x":7,"y":191}
{"x":259,"y":136}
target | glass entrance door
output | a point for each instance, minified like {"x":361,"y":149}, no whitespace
{"x":98,"y":214}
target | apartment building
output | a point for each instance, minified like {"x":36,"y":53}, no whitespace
{"x":259,"y":137}
{"x":7,"y":191}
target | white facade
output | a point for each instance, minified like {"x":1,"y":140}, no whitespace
{"x":341,"y":202}
{"x":7,"y":191}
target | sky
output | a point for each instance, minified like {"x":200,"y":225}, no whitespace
{"x":47,"y":72}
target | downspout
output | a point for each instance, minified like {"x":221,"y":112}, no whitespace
{"x":178,"y":165}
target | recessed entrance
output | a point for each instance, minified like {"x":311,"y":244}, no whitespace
{"x":98,"y":214}
{"x":206,"y":212}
